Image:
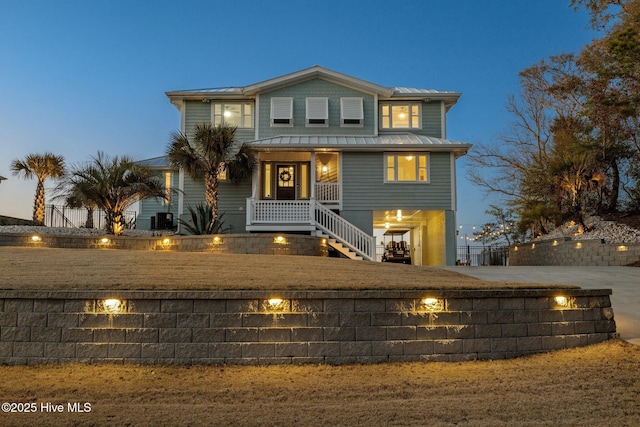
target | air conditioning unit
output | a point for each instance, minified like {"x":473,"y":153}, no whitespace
{"x":164,"y":220}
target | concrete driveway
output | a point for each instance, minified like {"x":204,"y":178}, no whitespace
{"x":624,"y":281}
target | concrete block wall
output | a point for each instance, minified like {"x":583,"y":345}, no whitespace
{"x":576,"y":253}
{"x":266,"y":244}
{"x":332,"y":327}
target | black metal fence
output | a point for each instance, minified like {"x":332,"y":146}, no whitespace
{"x":482,"y":255}
{"x":66,"y":217}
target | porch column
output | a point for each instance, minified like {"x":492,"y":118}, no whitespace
{"x":312,"y":165}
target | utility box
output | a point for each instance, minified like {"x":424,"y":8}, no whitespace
{"x":164,"y":221}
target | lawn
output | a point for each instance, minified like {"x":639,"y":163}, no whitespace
{"x":596,"y":385}
{"x":41,"y":268}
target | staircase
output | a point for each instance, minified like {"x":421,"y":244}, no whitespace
{"x":343,"y":236}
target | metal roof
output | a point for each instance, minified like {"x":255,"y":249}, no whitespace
{"x":387,"y":141}
{"x":161,"y":161}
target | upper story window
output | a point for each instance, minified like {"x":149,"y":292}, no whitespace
{"x":400,"y":116}
{"x":239,"y":114}
{"x":317,"y":112}
{"x":282,"y":112}
{"x":406,"y":167}
{"x":351,"y":112}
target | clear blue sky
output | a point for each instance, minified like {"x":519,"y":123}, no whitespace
{"x":81,"y":76}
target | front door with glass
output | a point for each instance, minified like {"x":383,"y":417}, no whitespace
{"x":286,"y":182}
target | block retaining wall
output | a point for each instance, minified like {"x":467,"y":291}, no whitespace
{"x":331,"y":327}
{"x":576,"y":253}
{"x":265,"y":244}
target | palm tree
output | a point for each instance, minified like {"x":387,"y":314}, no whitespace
{"x":113,"y":184}
{"x":42,"y":166}
{"x":213,"y":150}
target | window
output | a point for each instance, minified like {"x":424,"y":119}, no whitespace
{"x":239,"y":114}
{"x":282,"y":112}
{"x":400,"y":116}
{"x":406,"y":167}
{"x":317,"y":112}
{"x":351,"y":112}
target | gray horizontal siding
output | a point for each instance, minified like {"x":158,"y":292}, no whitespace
{"x":150,"y":207}
{"x":364,"y":187}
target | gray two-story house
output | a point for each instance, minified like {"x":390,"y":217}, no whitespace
{"x":339,"y":157}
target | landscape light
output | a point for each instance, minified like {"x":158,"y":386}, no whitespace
{"x":561,"y":300}
{"x":35,"y":238}
{"x":112,"y":305}
{"x":276,"y":305}
{"x":275,"y":301}
{"x":433,"y":304}
{"x":622,"y":248}
{"x":280,"y":240}
{"x":217,"y":240}
{"x":104,"y":241}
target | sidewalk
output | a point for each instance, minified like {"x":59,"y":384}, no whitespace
{"x":624,"y":281}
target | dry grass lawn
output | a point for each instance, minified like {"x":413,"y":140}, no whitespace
{"x":597,"y":385}
{"x":39,"y":268}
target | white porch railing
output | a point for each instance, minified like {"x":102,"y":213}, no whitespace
{"x":279,"y":211}
{"x":328,"y":192}
{"x":314,"y":213}
{"x":345,"y":232}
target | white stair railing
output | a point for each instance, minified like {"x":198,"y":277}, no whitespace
{"x":346,"y":233}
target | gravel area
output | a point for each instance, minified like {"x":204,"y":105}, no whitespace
{"x":609,"y":231}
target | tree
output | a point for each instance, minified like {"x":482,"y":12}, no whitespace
{"x":41,"y":166}
{"x":211,"y":152}
{"x":113,"y":184}
{"x":502,"y":229}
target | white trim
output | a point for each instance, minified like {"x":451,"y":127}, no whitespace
{"x":281,"y":109}
{"x":443,"y":120}
{"x":180,"y":195}
{"x":408,"y":104}
{"x":351,"y":108}
{"x":376,"y":115}
{"x":317,"y":108}
{"x":454,"y":184}
{"x":396,"y":154}
{"x":256,"y":111}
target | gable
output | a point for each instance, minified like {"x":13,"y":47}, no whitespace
{"x":315,"y":88}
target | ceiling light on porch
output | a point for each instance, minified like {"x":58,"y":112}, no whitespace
{"x":399,"y":215}
{"x":387,"y":225}
{"x":325,"y":169}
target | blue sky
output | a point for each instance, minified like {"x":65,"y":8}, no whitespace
{"x":81,"y":76}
